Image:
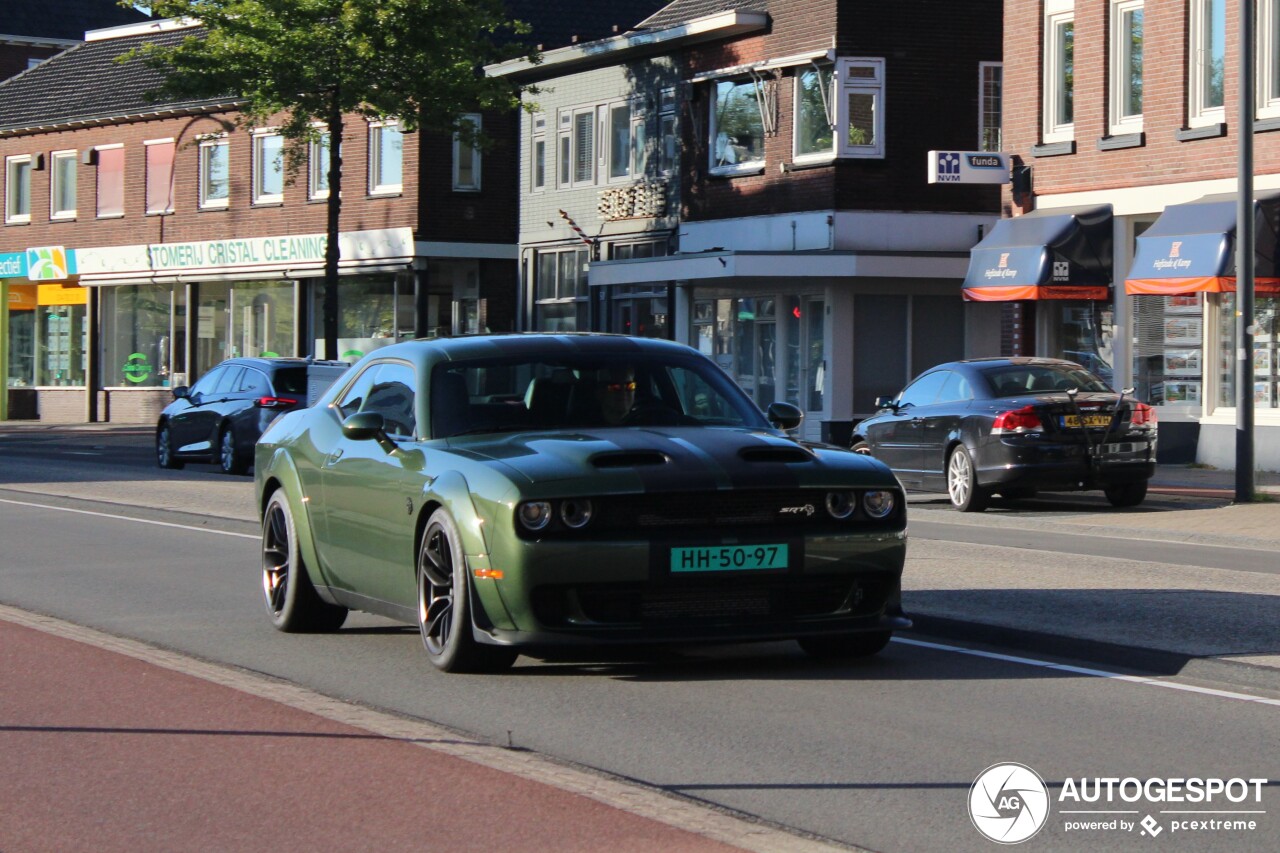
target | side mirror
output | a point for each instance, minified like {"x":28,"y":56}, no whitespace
{"x":785,"y":415}
{"x":363,"y":426}
{"x":182,"y":392}
{"x":885,"y":403}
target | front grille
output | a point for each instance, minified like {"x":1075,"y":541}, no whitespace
{"x":716,"y":510}
{"x":702,"y":604}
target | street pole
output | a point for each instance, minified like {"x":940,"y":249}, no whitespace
{"x":1245,"y":236}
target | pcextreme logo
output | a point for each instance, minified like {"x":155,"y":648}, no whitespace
{"x":1008,"y":803}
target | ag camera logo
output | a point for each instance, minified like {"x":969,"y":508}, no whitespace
{"x":1008,"y":803}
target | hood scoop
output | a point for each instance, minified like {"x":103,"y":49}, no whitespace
{"x":629,"y":459}
{"x":774,"y":454}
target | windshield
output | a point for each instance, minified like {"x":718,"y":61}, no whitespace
{"x":1018,"y":380}
{"x":519,"y":393}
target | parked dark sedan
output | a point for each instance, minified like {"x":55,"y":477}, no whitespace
{"x":220,"y":418}
{"x":1012,"y":427}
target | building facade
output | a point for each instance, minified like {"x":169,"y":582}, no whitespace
{"x":750,"y":178}
{"x":1126,"y":112}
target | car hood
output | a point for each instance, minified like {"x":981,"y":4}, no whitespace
{"x":671,"y":459}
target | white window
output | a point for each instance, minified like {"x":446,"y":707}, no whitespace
{"x":816,"y":125}
{"x":62,"y":185}
{"x":215,"y":172}
{"x":990,"y":106}
{"x":538,"y":154}
{"x":268,"y":168}
{"x":1206,"y":63}
{"x":564,"y":149}
{"x":386,"y":157}
{"x":860,"y":107}
{"x":466,"y":158}
{"x":318,"y":165}
{"x":1268,"y":58}
{"x":668,"y":132}
{"x":620,"y":153}
{"x":640,"y":147}
{"x":1126,"y":66}
{"x":737,"y":128}
{"x":17,"y":189}
{"x":584,"y":147}
{"x":159,"y":175}
{"x":1059,"y":71}
{"x":110,"y":183}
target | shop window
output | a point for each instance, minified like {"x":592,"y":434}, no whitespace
{"x":159,"y":176}
{"x":62,"y":185}
{"x":1266,"y":368}
{"x":1126,"y":66}
{"x":373,"y":311}
{"x":1206,"y":63}
{"x":1168,"y":361}
{"x":990,"y":106}
{"x":466,"y":157}
{"x":386,"y":158}
{"x":737,"y":128}
{"x":61,"y":334}
{"x":268,"y":168}
{"x":110,"y":181}
{"x":139,"y":323}
{"x":318,"y":165}
{"x":1059,"y":71}
{"x":215,"y":173}
{"x":17,"y":189}
{"x":815,"y":112}
{"x":560,"y":289}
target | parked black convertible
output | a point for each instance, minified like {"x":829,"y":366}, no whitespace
{"x":1012,"y":427}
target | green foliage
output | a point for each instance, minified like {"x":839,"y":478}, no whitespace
{"x":417,"y":60}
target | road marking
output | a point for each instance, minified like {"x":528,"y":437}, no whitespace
{"x":1150,"y":681}
{"x":633,"y":797}
{"x":131,"y":518}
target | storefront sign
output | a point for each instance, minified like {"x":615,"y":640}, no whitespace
{"x":13,"y":265}
{"x":968,"y":167}
{"x":41,"y":263}
{"x":137,"y":368}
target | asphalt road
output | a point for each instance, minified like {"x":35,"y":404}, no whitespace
{"x":880,"y":755}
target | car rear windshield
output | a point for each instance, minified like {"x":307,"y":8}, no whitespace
{"x":575,"y":391}
{"x":290,"y":380}
{"x":1018,"y":380}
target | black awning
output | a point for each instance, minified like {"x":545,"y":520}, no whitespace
{"x":1192,"y":247}
{"x":1048,"y":254}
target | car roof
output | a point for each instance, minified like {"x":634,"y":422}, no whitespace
{"x":468,"y":347}
{"x":269,"y":362}
{"x":1005,"y":361}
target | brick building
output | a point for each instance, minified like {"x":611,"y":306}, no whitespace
{"x":751,"y":178}
{"x":31,"y":31}
{"x":1126,"y":114}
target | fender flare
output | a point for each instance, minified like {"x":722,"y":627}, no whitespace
{"x":283,"y":471}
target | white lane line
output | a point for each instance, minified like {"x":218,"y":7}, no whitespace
{"x":1150,"y":681}
{"x":130,"y":518}
{"x":633,"y":797}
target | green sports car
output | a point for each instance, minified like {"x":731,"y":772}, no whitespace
{"x":521,"y":492}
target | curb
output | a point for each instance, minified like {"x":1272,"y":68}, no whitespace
{"x":1134,"y":659}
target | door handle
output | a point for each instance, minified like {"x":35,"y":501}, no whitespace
{"x":917,"y":421}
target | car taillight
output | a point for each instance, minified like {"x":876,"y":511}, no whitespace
{"x":1142,"y":415}
{"x":1017,"y":421}
{"x":275,"y":402}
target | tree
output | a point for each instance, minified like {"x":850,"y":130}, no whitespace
{"x":314,"y":61}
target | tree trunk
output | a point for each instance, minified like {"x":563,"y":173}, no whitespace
{"x":334,"y":209}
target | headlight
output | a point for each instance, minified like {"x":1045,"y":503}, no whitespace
{"x":841,"y":504}
{"x":879,"y":503}
{"x":534,"y":515}
{"x":576,"y":513}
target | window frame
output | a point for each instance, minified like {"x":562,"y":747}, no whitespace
{"x":376,"y":129}
{"x":618,"y":144}
{"x":10,"y":164}
{"x":582,"y":117}
{"x":258,"y":167}
{"x":102,"y":173}
{"x":984,"y":97}
{"x":668,"y":159}
{"x":748,"y":167}
{"x":58,"y":184}
{"x":207,"y":145}
{"x":538,"y":153}
{"x":874,"y":86}
{"x":1119,"y":62}
{"x":828,"y":108}
{"x":1268,"y":68}
{"x":169,"y":200}
{"x":460,"y":147}
{"x":1057,"y":13}
{"x":1198,"y":114}
{"x":318,"y":163}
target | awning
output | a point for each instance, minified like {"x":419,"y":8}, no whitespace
{"x":1049,"y":254}
{"x":1192,"y":247}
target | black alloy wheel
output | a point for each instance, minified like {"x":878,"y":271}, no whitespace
{"x":292,"y":602}
{"x":164,"y":449}
{"x":229,"y":459}
{"x":444,"y":610}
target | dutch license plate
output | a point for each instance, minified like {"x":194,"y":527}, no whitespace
{"x":729,"y":558}
{"x":1073,"y":421}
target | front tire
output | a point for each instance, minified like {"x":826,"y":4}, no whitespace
{"x":1126,"y":494}
{"x":444,"y":604}
{"x":845,"y":646}
{"x":292,"y":602}
{"x":962,"y":482}
{"x":164,"y":449}
{"x":229,"y":459}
